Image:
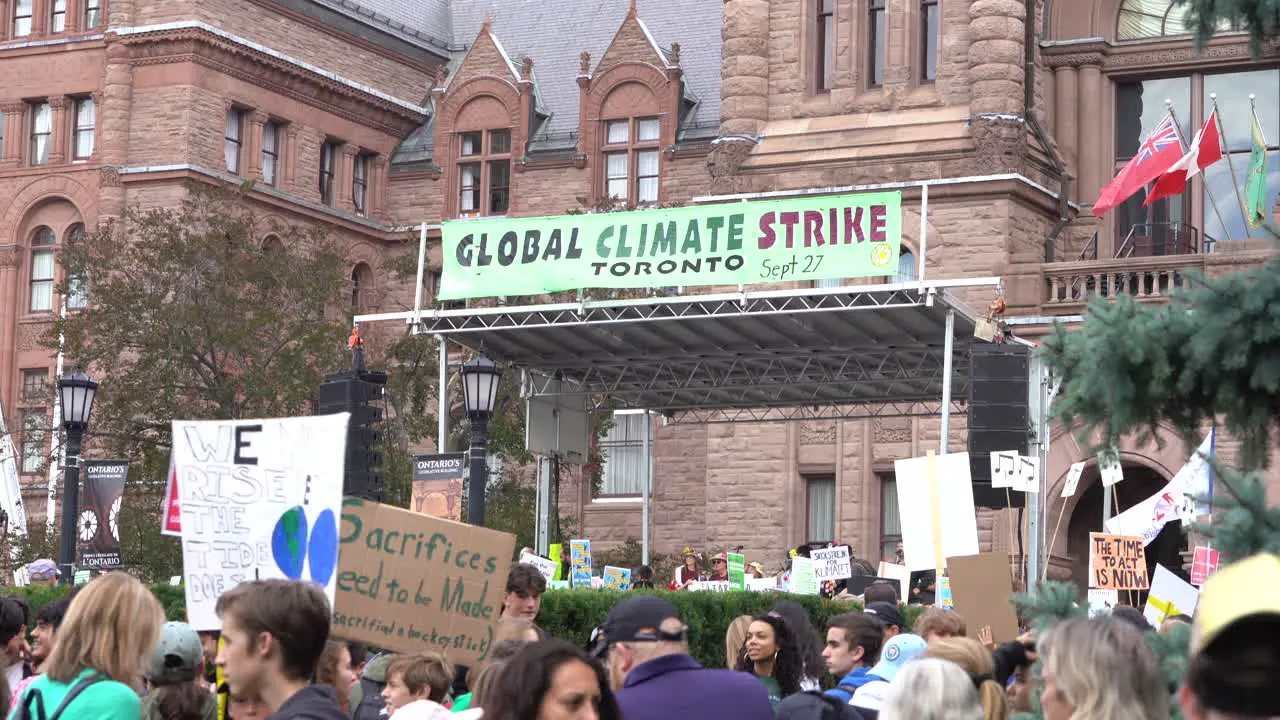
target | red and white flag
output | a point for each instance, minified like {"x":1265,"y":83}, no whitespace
{"x":1158,"y":153}
{"x":1206,"y":149}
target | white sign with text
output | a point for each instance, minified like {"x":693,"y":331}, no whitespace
{"x":831,"y":563}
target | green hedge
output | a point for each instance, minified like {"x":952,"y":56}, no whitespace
{"x":171,"y":597}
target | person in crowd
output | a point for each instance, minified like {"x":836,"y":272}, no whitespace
{"x":13,"y":639}
{"x":644,"y":578}
{"x":755,"y":569}
{"x":773,"y":655}
{"x":104,"y":647}
{"x":48,"y":620}
{"x":853,"y":647}
{"x":372,"y":681}
{"x":816,"y":706}
{"x":932,"y":689}
{"x":523,"y":596}
{"x":974,"y":659}
{"x":176,"y":677}
{"x":923,"y":587}
{"x":483,"y":675}
{"x":936,"y":623}
{"x":894,"y":655}
{"x":514,"y":632}
{"x":881,"y":592}
{"x":43,"y":573}
{"x":735,"y":640}
{"x":1133,"y":616}
{"x":273,"y":633}
{"x":552,"y":680}
{"x":334,"y":670}
{"x":247,"y":707}
{"x":687,"y":573}
{"x":1173,"y":621}
{"x":1232,"y":671}
{"x":359,"y":657}
{"x":209,"y":645}
{"x":1100,"y":669}
{"x":1013,"y":656}
{"x":645,"y":646}
{"x":719,"y":568}
{"x":807,"y":638}
{"x":889,"y":616}
{"x":417,"y":687}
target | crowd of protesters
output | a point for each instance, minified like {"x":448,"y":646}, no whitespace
{"x":106,"y":653}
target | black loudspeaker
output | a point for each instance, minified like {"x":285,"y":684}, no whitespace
{"x":999,"y":415}
{"x":344,"y":392}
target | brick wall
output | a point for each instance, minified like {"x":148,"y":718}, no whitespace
{"x":160,"y":119}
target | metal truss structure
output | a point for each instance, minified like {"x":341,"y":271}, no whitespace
{"x":746,"y":356}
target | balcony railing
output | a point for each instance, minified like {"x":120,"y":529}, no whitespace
{"x":1145,"y":278}
{"x":1162,"y":239}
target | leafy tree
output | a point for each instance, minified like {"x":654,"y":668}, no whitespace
{"x":1260,"y":18}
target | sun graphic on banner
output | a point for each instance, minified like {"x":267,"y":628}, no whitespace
{"x":88,"y":525}
{"x":881,"y":255}
{"x":113,"y":520}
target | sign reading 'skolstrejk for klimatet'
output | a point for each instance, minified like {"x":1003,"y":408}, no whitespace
{"x":811,"y":238}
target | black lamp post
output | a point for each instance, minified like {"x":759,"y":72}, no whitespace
{"x":480,"y":378}
{"x":77,"y":392}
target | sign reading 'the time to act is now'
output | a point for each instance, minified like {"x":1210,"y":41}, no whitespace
{"x":769,"y":241}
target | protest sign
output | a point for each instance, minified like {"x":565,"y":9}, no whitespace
{"x":171,"y":513}
{"x":945,"y":599}
{"x":737,"y":565}
{"x":899,"y":573}
{"x":980,"y":588}
{"x":1102,"y":602}
{"x":1109,"y":468}
{"x":941,"y":501}
{"x":580,"y":563}
{"x":1170,"y":595}
{"x":1015,"y":472}
{"x":1204,"y":562}
{"x":259,"y":499}
{"x":1117,"y":562}
{"x":831,"y":563}
{"x":711,"y":586}
{"x":411,"y":583}
{"x":437,"y":485}
{"x":1148,"y":517}
{"x":616,"y":578}
{"x":1073,"y":479}
{"x":556,"y":554}
{"x":804,"y":580}
{"x":762,"y":584}
{"x":779,"y":240}
{"x":545,"y":566}
{"x":99,"y":530}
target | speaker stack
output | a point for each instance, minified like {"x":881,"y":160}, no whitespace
{"x":999,"y":415}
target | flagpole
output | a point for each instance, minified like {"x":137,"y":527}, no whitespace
{"x":1181,"y":138}
{"x":1226,"y":150}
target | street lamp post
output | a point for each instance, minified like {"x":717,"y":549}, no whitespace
{"x":480,"y":378}
{"x":77,"y":391}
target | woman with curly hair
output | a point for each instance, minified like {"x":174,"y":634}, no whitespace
{"x":807,"y":640}
{"x":772,"y":654}
{"x":550,"y":680}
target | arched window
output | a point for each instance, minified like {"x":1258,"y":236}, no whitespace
{"x":1154,"y":18}
{"x":906,"y":266}
{"x":272,"y":244}
{"x":77,"y":290}
{"x":42,"y":265}
{"x":361,"y":286}
{"x":631,"y":154}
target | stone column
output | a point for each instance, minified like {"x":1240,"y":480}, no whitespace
{"x":11,"y":151}
{"x":61,"y":130}
{"x":97,"y":123}
{"x":744,"y":67}
{"x":1089,"y":158}
{"x":40,"y":11}
{"x":254,"y":145}
{"x":289,"y":158}
{"x":75,"y":15}
{"x":9,"y":297}
{"x":344,"y":176}
{"x":113,"y":111}
{"x":1064,"y":115}
{"x":996,"y":56}
{"x":377,"y":193}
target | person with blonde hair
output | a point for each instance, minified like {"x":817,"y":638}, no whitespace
{"x":974,"y":659}
{"x":104,"y":646}
{"x":931,"y":689}
{"x":735,"y":639}
{"x":1100,"y":669}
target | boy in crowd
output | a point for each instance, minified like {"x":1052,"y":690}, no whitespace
{"x":889,"y":616}
{"x":273,"y":633}
{"x":853,"y":647}
{"x":935,"y":624}
{"x":417,"y":686}
{"x":897,"y":652}
{"x":522,"y":599}
{"x":13,"y":640}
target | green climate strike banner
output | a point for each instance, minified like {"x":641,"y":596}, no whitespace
{"x":812,"y":238}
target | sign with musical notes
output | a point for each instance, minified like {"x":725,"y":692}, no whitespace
{"x":1073,"y":479}
{"x":1015,"y":472}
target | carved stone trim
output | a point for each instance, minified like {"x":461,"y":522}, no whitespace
{"x":1075,"y":59}
{"x":817,"y":433}
{"x":108,"y":176}
{"x":897,"y":430}
{"x":252,"y":66}
{"x":8,"y":255}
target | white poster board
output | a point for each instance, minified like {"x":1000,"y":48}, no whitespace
{"x":259,"y":499}
{"x":831,"y":563}
{"x":803,"y":579}
{"x":1102,"y":602}
{"x":1073,"y":479}
{"x":545,"y":566}
{"x":957,"y":520}
{"x":901,"y":573}
{"x":1169,"y":595}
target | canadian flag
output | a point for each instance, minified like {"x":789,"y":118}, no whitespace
{"x":1206,"y":149}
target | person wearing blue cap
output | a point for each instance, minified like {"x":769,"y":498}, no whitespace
{"x":897,"y":652}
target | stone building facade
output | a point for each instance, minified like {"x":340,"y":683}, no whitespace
{"x":371,"y":116}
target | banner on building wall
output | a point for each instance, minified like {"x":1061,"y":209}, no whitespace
{"x":437,"y":485}
{"x":98,"y":528}
{"x":810,"y":238}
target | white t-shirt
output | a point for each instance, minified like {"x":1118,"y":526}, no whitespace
{"x":870,"y":696}
{"x":13,"y":674}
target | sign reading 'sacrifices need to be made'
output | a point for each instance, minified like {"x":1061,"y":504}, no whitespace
{"x":768,"y":241}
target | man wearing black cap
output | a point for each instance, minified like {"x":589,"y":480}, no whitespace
{"x":888,"y":615}
{"x":644,"y":644}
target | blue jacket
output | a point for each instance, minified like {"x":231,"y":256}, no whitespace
{"x":854,"y":680}
{"x":676,"y":686}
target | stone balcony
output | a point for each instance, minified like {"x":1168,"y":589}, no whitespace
{"x":1070,"y":285}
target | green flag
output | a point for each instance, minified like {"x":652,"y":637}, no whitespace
{"x":1255,"y":192}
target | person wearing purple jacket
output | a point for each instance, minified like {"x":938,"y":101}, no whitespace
{"x":644,"y":644}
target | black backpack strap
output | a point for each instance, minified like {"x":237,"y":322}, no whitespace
{"x":24,"y":710}
{"x":74,"y":692}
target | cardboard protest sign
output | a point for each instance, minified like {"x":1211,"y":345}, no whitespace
{"x":1204,"y":562}
{"x":737,"y":565}
{"x":437,"y":485}
{"x":831,"y":563}
{"x":411,"y":582}
{"x":943,"y":498}
{"x":1117,"y":562}
{"x":545,"y":566}
{"x":616,"y":578}
{"x":98,"y":526}
{"x":259,"y":499}
{"x":1102,"y":602}
{"x":804,"y":581}
{"x":580,"y":563}
{"x":1170,"y":595}
{"x":980,"y":587}
{"x":899,"y":573}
